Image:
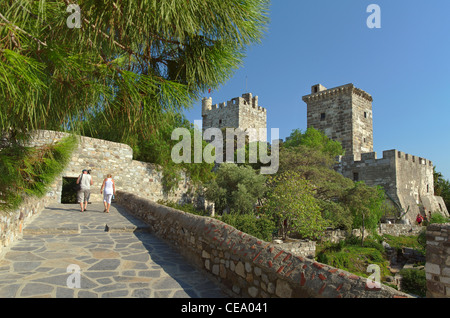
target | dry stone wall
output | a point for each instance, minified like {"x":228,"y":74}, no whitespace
{"x":12,"y":222}
{"x":438,"y":261}
{"x":103,"y":157}
{"x":244,"y":265}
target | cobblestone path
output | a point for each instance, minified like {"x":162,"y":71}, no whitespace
{"x":68,"y":254}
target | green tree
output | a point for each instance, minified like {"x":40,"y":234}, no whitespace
{"x":130,"y":62}
{"x":441,"y":186}
{"x":291,"y":201}
{"x":235,"y":189}
{"x":365,"y":204}
{"x":330,"y":186}
{"x":315,"y":139}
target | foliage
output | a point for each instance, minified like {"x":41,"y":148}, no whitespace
{"x":365,"y":204}
{"x":441,"y":187}
{"x":30,"y":170}
{"x":414,"y":281}
{"x":129,"y":63}
{"x":438,"y":218}
{"x":349,"y":255}
{"x":259,"y":226}
{"x":314,"y":139}
{"x":291,"y":202}
{"x":235,"y":189}
{"x":157,"y":149}
{"x":186,"y":207}
{"x":398,"y":242}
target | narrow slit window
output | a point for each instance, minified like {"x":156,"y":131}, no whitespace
{"x":322,"y":116}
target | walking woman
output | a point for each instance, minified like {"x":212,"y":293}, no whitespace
{"x":108,"y":189}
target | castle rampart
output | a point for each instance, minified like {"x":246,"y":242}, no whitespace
{"x":240,"y":112}
{"x":407,"y":179}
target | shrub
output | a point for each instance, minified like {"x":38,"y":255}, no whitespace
{"x":258,"y":226}
{"x":414,"y":281}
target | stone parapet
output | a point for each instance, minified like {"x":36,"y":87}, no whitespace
{"x":244,"y":265}
{"x":437,"y":267}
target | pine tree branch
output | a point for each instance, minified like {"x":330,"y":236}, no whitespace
{"x":16,"y":28}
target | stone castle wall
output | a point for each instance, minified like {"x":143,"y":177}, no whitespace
{"x":407,"y":180}
{"x":344,"y":114}
{"x":103,"y":157}
{"x":437,"y":268}
{"x":241,"y":112}
{"x":245,"y":266}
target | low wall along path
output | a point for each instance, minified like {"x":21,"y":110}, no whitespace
{"x":245,"y":265}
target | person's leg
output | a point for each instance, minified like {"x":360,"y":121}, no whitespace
{"x":108,"y":201}
{"x":87,"y":194}
{"x":80,"y":198}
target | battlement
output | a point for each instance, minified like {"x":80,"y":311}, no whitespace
{"x":247,"y":100}
{"x":388,"y":156}
{"x":319,"y":92}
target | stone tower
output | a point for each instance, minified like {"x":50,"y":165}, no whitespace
{"x":344,"y":114}
{"x":241,"y":112}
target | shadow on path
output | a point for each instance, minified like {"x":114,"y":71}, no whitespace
{"x":109,"y":255}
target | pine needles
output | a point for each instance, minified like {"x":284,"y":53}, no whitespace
{"x":30,"y":170}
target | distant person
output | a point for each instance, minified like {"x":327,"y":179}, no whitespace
{"x":85,"y":181}
{"x":419,"y":219}
{"x":108,"y":189}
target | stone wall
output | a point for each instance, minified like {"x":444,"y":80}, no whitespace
{"x":344,"y":114}
{"x":103,"y":157}
{"x":12,"y":222}
{"x":407,"y":180}
{"x":244,"y":265}
{"x":240,"y":112}
{"x":437,"y":267}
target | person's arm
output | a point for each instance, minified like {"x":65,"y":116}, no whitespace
{"x":78,"y":180}
{"x":103,"y":185}
{"x":92,"y":181}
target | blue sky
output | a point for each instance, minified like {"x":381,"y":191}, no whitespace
{"x":404,"y":65}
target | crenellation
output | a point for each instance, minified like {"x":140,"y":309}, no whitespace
{"x":241,"y":112}
{"x":345,"y":114}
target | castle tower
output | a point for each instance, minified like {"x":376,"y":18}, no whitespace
{"x":241,"y":112}
{"x":344,"y":114}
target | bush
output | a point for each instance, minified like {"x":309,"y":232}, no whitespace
{"x":186,"y":207}
{"x":414,"y":281}
{"x":31,"y":170}
{"x":258,"y":226}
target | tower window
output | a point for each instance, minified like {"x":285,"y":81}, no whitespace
{"x":365,"y":114}
{"x":220,"y":121}
{"x":355,"y":176}
{"x":322,"y":116}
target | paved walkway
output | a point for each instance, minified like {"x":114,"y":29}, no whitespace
{"x":68,"y":254}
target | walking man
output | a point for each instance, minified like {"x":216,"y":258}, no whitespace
{"x":85,"y":181}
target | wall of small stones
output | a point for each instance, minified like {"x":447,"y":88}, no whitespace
{"x":103,"y":157}
{"x":243,"y":265}
{"x":12,"y":222}
{"x":437,"y":266}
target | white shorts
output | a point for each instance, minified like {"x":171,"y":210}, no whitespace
{"x":107,"y":198}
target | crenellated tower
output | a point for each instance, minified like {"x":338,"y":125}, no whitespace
{"x":344,"y":114}
{"x":240,"y":112}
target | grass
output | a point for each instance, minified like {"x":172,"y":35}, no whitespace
{"x":349,"y":255}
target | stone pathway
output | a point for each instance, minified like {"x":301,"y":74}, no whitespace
{"x":68,"y":254}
